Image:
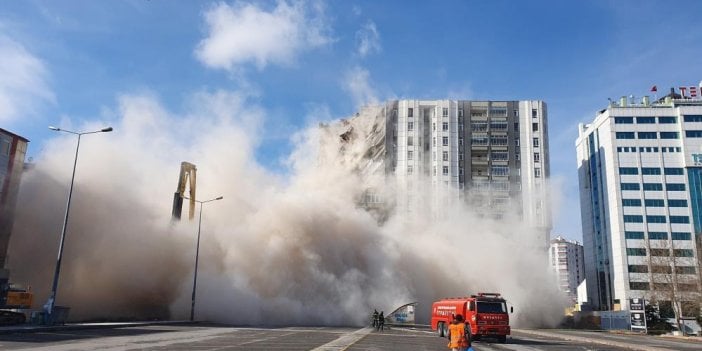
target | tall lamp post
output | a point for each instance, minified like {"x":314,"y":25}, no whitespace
{"x":197,"y":255}
{"x":52,"y":298}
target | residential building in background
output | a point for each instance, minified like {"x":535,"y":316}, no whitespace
{"x":640,"y":175}
{"x":566,"y":258}
{"x":13,"y":149}
{"x":490,"y":155}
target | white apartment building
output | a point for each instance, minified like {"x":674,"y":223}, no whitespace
{"x":640,"y":174}
{"x":491,"y":154}
{"x":566,"y":259}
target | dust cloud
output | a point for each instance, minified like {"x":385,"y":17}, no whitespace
{"x":290,"y":249}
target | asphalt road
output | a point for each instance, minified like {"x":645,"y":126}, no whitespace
{"x":203,"y":337}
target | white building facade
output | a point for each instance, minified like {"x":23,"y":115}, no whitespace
{"x":566,"y":259}
{"x":640,"y":175}
{"x":493,"y":155}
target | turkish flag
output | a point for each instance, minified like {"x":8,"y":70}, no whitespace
{"x":654,"y":89}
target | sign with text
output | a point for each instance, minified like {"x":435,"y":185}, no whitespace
{"x":638,"y":321}
{"x":637,"y":305}
{"x":637,"y":312}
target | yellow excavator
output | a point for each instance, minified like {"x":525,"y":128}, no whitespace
{"x":13,"y":299}
{"x":187,"y":174}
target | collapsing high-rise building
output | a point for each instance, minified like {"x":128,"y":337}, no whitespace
{"x":490,"y":155}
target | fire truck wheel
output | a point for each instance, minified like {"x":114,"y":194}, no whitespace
{"x":446,"y":329}
{"x":502,"y":339}
{"x":440,"y":329}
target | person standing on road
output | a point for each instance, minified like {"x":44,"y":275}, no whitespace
{"x":459,"y":336}
{"x":381,"y":321}
{"x":375,"y":318}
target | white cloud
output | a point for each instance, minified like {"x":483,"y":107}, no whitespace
{"x":368,"y":39}
{"x":23,"y":81}
{"x":243,"y":33}
{"x":357,"y":83}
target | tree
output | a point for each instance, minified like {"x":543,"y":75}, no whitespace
{"x":675,"y":282}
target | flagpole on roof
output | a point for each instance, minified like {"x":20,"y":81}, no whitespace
{"x":654,"y":90}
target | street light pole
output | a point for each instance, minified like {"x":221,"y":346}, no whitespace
{"x":197,"y":256}
{"x":54,"y":286}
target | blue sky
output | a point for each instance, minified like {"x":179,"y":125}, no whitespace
{"x":62,"y":63}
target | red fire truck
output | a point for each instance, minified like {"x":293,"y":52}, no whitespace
{"x":486,"y":313}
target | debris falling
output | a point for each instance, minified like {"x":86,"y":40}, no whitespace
{"x":292,"y":249}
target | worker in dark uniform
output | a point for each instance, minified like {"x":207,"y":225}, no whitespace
{"x":381,"y":321}
{"x":375,"y":318}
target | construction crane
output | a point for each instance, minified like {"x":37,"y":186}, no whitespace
{"x":187,"y":173}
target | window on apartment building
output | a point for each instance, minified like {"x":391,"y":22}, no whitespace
{"x":633,"y":219}
{"x":654,"y":203}
{"x":410,"y":155}
{"x":537,"y":157}
{"x":537,"y":172}
{"x":516,"y":113}
{"x":410,"y":141}
{"x":433,"y":141}
{"x":460,"y":113}
{"x":460,"y":156}
{"x":445,"y":170}
{"x":685,"y":270}
{"x":634,"y":235}
{"x":683,"y":253}
{"x":645,"y":120}
{"x":647,"y":135}
{"x":444,"y":126}
{"x":460,"y":141}
{"x":653,"y":186}
{"x":680,"y":236}
{"x":673,"y":171}
{"x":444,"y":141}
{"x":444,"y":112}
{"x":638,"y":285}
{"x":410,"y":169}
{"x":516,"y":142}
{"x":536,"y":142}
{"x":410,"y":112}
{"x":534,"y":113}
{"x":623,"y":120}
{"x":517,"y":157}
{"x":410,"y":126}
{"x":635,"y":251}
{"x":658,"y":235}
{"x":667,"y":120}
{"x":677,"y":203}
{"x":655,"y":219}
{"x":444,"y":155}
{"x":693,"y":133}
{"x":675,"y":186}
{"x":650,"y":171}
{"x":692,"y":118}
{"x":631,"y":202}
{"x":638,"y":268}
{"x":680,"y":219}
{"x":625,"y":135}
{"x":628,"y":170}
{"x":630,"y":186}
{"x":534,"y":127}
{"x":434,"y":170}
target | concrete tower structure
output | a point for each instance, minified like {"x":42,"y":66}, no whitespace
{"x":640,"y":174}
{"x":566,"y":258}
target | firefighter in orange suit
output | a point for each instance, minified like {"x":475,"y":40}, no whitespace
{"x":459,"y":337}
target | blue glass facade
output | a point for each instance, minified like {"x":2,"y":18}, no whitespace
{"x":601,"y":247}
{"x":695,"y":180}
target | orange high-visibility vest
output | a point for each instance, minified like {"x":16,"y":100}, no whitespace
{"x":457,"y":335}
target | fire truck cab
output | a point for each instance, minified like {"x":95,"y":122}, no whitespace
{"x":486,"y":313}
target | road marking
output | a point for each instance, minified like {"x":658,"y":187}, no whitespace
{"x":344,"y":341}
